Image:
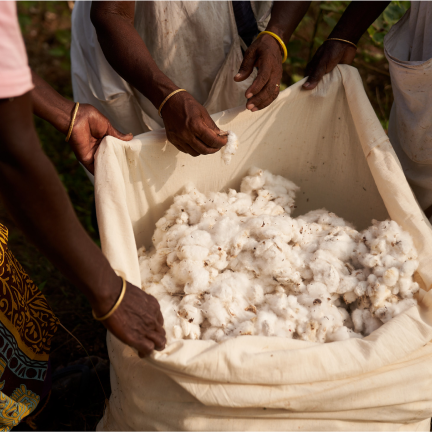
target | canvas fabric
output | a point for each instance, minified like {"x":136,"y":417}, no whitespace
{"x":330,"y":143}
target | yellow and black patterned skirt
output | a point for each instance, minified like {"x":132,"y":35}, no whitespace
{"x":27,"y":325}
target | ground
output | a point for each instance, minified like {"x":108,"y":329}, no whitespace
{"x":46,"y":28}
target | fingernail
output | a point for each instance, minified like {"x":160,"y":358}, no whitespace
{"x":238,"y":75}
{"x":255,"y":109}
{"x":249,"y":95}
{"x":250,"y":106}
{"x":306,"y":84}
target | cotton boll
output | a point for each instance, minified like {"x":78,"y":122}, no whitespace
{"x":266,"y":323}
{"x":198,"y":282}
{"x":360,"y":289}
{"x":170,"y":285}
{"x":246,"y":328}
{"x":391,"y":276}
{"x":230,"y":148}
{"x":214,"y":310}
{"x":340,"y":244}
{"x":284,"y":328}
{"x":408,"y":268}
{"x":229,"y":264}
{"x":190,"y":313}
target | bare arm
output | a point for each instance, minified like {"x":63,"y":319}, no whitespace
{"x":356,"y":19}
{"x":265,"y":54}
{"x":34,"y":195}
{"x":188,"y":125}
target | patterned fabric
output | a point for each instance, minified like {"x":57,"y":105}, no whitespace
{"x":27,"y":326}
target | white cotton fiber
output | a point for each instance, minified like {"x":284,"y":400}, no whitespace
{"x":231,"y":264}
{"x":230,"y":148}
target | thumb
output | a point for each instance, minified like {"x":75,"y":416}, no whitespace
{"x":116,"y":134}
{"x":247,"y":65}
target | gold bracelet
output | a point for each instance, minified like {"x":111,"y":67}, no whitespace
{"x":166,"y":100}
{"x":343,"y":40}
{"x":115,"y":307}
{"x":72,"y":122}
{"x":281,"y":43}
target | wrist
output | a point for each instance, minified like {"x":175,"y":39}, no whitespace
{"x":281,"y":32}
{"x":161,"y":87}
{"x":104,"y":297}
{"x":62,"y":116}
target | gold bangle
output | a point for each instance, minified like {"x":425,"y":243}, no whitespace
{"x":166,"y":100}
{"x":72,"y":122}
{"x":115,"y":307}
{"x":343,"y":40}
{"x":281,"y":42}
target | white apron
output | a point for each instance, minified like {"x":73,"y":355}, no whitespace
{"x":408,"y":48}
{"x":195,"y":43}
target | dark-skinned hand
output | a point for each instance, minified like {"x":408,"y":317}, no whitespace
{"x":89,"y":129}
{"x":327,"y":57}
{"x":138,"y":321}
{"x":189,"y":126}
{"x":265,"y":53}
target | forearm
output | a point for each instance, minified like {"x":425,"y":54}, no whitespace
{"x":286,"y":16}
{"x":127,"y":53}
{"x":50,"y":105}
{"x":357,"y":18}
{"x":34,"y":195}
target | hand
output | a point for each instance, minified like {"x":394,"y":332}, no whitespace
{"x":89,"y":129}
{"x":137,"y":322}
{"x":327,"y":57}
{"x":189,"y":127}
{"x":266,"y":54}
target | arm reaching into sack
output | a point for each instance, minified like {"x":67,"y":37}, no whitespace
{"x":188,"y":125}
{"x":90,"y":125}
{"x":356,"y":19}
{"x":265,"y":54}
{"x":34,"y":195}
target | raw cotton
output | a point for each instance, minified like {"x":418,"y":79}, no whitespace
{"x":230,"y":148}
{"x":236,"y":263}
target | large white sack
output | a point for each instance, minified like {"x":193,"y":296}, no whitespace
{"x":329,"y":142}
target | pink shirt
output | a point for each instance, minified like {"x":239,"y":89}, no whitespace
{"x":15,"y":74}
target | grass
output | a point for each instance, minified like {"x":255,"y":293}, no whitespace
{"x":46,"y":30}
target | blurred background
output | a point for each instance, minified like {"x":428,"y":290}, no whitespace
{"x":46,"y":26}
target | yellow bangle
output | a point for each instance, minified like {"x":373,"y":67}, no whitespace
{"x":281,"y":42}
{"x":115,"y":307}
{"x":166,"y":100}
{"x":72,"y":122}
{"x":343,"y":40}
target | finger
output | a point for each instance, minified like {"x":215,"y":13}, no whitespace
{"x":315,"y":76}
{"x":260,"y":81}
{"x":158,"y":339}
{"x":144,"y":348}
{"x":265,"y":97}
{"x":182,"y":146}
{"x":201,"y":148}
{"x":247,"y":64}
{"x":117,"y":134}
{"x":208,"y":133}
